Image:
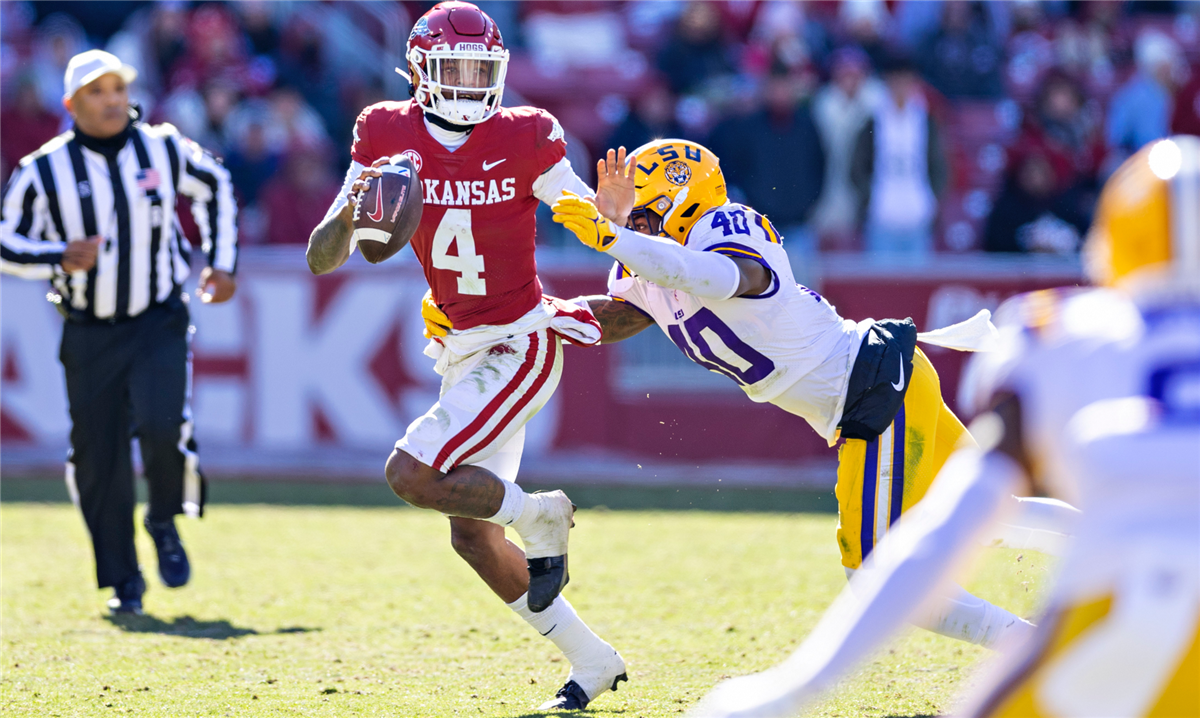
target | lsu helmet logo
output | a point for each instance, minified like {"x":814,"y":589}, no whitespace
{"x":678,"y":172}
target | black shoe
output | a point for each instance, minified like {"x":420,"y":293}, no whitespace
{"x":547,"y":578}
{"x":573,"y":698}
{"x":127,"y":597}
{"x":173,"y":566}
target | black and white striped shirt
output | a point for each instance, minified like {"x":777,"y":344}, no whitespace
{"x":66,"y":191}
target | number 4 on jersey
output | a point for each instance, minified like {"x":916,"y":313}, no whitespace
{"x":456,"y":224}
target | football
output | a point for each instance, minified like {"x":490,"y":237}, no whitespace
{"x":388,"y":210}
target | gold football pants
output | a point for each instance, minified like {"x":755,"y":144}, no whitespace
{"x":880,"y":479}
{"x":1078,"y":636}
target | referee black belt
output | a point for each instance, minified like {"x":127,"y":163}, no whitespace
{"x":77,"y":316}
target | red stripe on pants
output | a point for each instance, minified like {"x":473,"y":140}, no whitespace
{"x":547,"y":369}
{"x":493,"y":406}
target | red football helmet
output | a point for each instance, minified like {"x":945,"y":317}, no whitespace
{"x":458,"y":62}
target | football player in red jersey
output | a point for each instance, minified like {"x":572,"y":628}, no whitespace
{"x":483,"y":170}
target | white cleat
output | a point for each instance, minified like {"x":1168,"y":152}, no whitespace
{"x":546,"y":548}
{"x":586,"y":684}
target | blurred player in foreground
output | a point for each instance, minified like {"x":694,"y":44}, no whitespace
{"x":715,"y":278}
{"x":1094,"y":396}
{"x":483,"y":169}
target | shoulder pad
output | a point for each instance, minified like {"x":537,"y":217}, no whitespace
{"x":696,"y":230}
{"x":380,"y":109}
{"x":545,"y":124}
{"x":386,"y":106}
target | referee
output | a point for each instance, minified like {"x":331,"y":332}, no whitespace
{"x":93,"y":211}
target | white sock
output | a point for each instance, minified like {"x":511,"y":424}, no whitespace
{"x":515,"y":504}
{"x":525,"y":514}
{"x":970,"y":618}
{"x":582,"y":647}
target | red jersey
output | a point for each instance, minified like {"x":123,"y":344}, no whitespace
{"x":476,"y":237}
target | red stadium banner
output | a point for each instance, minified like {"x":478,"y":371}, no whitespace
{"x":319,"y":376}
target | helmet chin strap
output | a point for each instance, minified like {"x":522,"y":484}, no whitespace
{"x":446,"y":124}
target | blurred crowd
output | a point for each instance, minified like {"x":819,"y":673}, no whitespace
{"x":899,"y":128}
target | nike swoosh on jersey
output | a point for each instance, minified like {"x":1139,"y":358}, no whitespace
{"x":900,"y":386}
{"x":378,"y":213}
{"x":487,"y":166}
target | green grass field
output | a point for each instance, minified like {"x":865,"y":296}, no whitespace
{"x":351,"y":610}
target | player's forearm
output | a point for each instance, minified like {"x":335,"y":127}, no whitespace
{"x":908,"y":565}
{"x":618,"y":320}
{"x":329,"y":243}
{"x":669,"y":264}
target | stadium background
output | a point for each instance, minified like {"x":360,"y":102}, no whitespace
{"x":316,"y":377}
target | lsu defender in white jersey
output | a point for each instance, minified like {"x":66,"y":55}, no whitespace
{"x":1109,"y":396}
{"x":1093,"y":396}
{"x":786,"y":339}
{"x":714,"y":277}
{"x":1107,"y":382}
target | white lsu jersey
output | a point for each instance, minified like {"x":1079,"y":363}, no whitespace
{"x":1110,"y":412}
{"x":787,"y":338}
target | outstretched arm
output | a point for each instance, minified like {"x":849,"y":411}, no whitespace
{"x":906,"y":567}
{"x":618,"y":320}
{"x":667,"y":263}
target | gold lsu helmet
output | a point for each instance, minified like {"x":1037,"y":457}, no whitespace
{"x":1148,"y":217}
{"x":675,"y":182}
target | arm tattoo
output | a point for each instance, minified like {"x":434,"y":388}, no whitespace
{"x":618,"y":320}
{"x":329,"y":244}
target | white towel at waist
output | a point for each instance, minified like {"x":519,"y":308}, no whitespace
{"x":976,"y":334}
{"x":572,"y":322}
